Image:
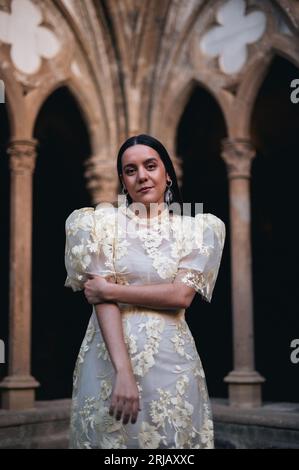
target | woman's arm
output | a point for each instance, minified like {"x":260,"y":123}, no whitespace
{"x":153,"y":295}
{"x":125,"y":395}
{"x":170,"y":295}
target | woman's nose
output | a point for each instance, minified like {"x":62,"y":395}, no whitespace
{"x":142,"y":174}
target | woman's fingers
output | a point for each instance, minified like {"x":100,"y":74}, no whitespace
{"x":135,"y":410}
{"x":119,"y":409}
{"x":131,"y":411}
{"x":113,"y":405}
{"x":127,"y":410}
{"x":118,"y":414}
{"x":125,"y":398}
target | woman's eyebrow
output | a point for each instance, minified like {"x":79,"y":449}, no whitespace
{"x":146,"y":161}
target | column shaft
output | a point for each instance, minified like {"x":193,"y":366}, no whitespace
{"x":244,"y":382}
{"x":18,"y":388}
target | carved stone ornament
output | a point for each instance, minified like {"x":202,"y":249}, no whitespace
{"x":29,"y":41}
{"x":22,"y":155}
{"x":238,"y":155}
{"x":235,"y":30}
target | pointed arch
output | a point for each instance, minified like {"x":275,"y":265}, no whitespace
{"x":252,"y":82}
{"x":167,"y":117}
{"x":96,"y":128}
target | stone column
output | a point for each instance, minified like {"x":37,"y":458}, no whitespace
{"x":18,"y":388}
{"x":101,"y":179}
{"x":244,"y":382}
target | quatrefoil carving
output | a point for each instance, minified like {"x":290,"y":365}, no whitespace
{"x":29,"y":41}
{"x":230,"y":38}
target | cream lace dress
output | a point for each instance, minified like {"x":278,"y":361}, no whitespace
{"x":175,"y":405}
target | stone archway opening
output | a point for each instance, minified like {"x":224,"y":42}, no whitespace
{"x":4,"y":232}
{"x":59,"y":316}
{"x":274,"y":134}
{"x":200,"y":132}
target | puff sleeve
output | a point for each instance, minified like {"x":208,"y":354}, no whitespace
{"x":201,"y":254}
{"x":88,"y":248}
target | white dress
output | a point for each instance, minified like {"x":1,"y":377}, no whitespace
{"x":175,"y":408}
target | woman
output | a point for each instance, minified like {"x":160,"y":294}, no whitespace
{"x":138,"y":380}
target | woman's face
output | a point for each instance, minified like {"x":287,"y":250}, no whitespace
{"x":142,"y":167}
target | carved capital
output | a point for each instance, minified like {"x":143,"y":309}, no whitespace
{"x":238,"y":155}
{"x":22,"y":155}
{"x":99,"y":170}
{"x":101,"y":179}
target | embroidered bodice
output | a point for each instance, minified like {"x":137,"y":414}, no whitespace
{"x":167,"y":248}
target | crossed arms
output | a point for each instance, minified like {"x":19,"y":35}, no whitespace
{"x":170,"y":295}
{"x":125,"y":400}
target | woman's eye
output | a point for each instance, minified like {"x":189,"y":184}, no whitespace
{"x":131,"y":170}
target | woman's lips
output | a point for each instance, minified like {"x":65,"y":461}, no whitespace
{"x":144,"y":190}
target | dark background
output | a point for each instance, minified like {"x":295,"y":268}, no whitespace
{"x":61,"y":316}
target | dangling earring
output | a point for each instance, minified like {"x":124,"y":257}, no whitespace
{"x":168,"y":193}
{"x":125,"y":192}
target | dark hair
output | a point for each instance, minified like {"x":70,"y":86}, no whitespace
{"x":155,"y":144}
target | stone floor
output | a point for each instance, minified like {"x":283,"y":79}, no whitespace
{"x":43,"y":427}
{"x":271,"y":426}
{"x":274,"y":425}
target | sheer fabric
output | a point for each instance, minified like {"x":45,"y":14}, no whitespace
{"x":173,"y":394}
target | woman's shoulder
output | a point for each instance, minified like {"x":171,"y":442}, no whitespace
{"x":204,"y":222}
{"x":98,"y":210}
{"x":212,"y":223}
{"x":80,"y":218}
{"x":211,"y":220}
{"x":105,"y":209}
{"x":91,"y":223}
{"x":203,"y":217}
{"x":88,"y":218}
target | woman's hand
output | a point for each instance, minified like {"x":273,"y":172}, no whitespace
{"x":125,"y":397}
{"x":96,"y":289}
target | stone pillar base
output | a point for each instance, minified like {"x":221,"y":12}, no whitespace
{"x":245,"y":389}
{"x":18,"y":392}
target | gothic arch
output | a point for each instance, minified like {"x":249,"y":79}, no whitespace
{"x":171,"y":114}
{"x":97,"y":133}
{"x":252,"y":81}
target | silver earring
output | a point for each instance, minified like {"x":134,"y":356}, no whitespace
{"x":125,"y":192}
{"x":168,"y":193}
